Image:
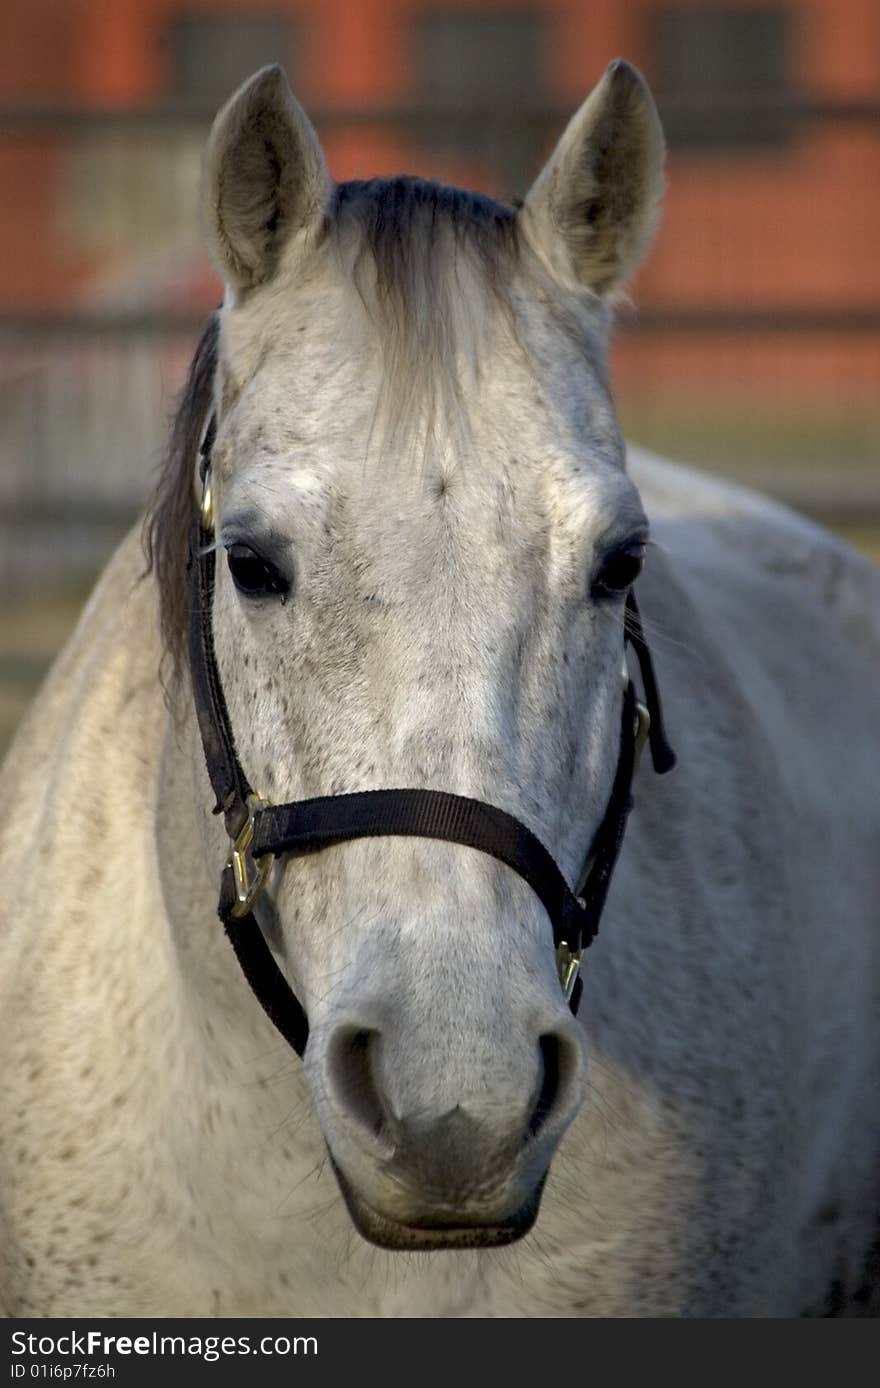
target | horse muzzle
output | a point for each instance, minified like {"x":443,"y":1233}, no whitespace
{"x":464,"y":1166}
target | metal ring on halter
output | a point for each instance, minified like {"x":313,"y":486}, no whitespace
{"x":242,"y":861}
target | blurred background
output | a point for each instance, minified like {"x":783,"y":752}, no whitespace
{"x":753,"y":346}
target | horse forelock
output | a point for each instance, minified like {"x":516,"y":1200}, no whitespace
{"x":402,"y":221}
{"x":432,"y":266}
{"x":447,"y":280}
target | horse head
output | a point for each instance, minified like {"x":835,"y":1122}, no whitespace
{"x":425,"y":537}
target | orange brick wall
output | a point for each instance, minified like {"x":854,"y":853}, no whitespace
{"x":799,"y":226}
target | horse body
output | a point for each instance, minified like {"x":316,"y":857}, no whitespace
{"x":163,"y":1152}
{"x":160,"y":1153}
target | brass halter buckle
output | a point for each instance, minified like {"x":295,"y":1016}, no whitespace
{"x":568,"y":965}
{"x":243,"y":864}
{"x":568,"y":960}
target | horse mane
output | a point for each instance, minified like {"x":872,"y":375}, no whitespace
{"x":416,"y":234}
{"x":415,"y":251}
{"x":402,"y":220}
{"x":172,"y":510}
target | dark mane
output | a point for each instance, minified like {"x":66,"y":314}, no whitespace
{"x":432,"y":265}
{"x":397,"y":216}
{"x":172,"y":509}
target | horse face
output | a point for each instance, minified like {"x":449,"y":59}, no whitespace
{"x":426,"y":537}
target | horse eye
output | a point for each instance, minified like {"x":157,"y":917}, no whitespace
{"x":252,"y":574}
{"x":619,"y":570}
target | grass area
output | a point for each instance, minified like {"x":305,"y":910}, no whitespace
{"x":749,"y":438}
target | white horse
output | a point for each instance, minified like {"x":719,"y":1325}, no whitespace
{"x":425,"y":536}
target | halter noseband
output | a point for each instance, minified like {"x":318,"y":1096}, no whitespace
{"x":259,"y":831}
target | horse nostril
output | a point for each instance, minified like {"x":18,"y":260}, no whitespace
{"x":558,"y":1068}
{"x":352,"y":1069}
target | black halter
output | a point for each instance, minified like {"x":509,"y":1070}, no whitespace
{"x":258,"y":831}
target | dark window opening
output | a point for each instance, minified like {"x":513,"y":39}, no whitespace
{"x":722,"y":77}
{"x":212,"y":54}
{"x":481,"y":82}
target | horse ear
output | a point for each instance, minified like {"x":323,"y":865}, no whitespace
{"x":265,"y":179}
{"x":593,"y":210}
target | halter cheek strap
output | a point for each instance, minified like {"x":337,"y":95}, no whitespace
{"x":260,"y":832}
